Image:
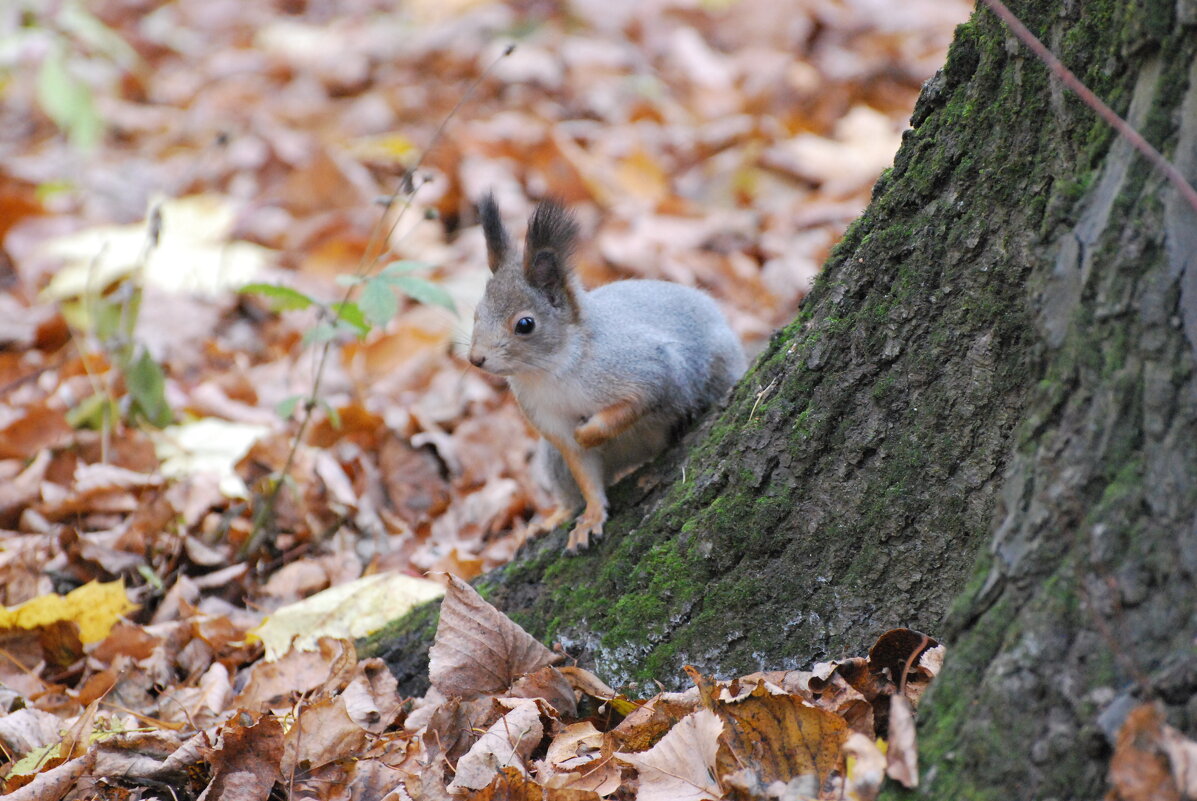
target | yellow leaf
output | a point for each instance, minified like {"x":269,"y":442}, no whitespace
{"x":347,"y":611}
{"x":95,"y":608}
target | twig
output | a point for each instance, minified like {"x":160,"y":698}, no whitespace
{"x":1094,"y":102}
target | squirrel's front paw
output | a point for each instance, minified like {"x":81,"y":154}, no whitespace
{"x":589,"y":524}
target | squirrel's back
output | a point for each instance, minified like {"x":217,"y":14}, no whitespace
{"x":668,"y":335}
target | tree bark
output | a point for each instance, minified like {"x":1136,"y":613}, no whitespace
{"x":983,"y":424}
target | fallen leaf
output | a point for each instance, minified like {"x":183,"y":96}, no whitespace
{"x":781,"y":736}
{"x":1140,"y":769}
{"x":507,"y":743}
{"x":866,"y":767}
{"x":681,"y":767}
{"x":322,"y":733}
{"x":902,"y":763}
{"x":245,"y":762}
{"x":511,"y":785}
{"x":346,"y":611}
{"x":478,"y":649}
{"x":95,"y":608}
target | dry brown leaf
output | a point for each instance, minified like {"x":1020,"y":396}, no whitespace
{"x":902,"y":759}
{"x":39,"y":427}
{"x":511,"y":785}
{"x":371,"y":699}
{"x":140,"y":754}
{"x":245,"y":762}
{"x":782,"y":736}
{"x":584,"y":681}
{"x":549,"y":685}
{"x":54,"y":783}
{"x":681,"y":767}
{"x":507,"y":743}
{"x":323,"y":732}
{"x":1139,"y":768}
{"x":477,"y":648}
{"x":276,"y":684}
{"x":649,"y":722}
{"x":27,"y":729}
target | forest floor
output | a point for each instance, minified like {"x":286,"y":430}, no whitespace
{"x":158,"y":156}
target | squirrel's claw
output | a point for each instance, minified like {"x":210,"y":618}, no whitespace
{"x":589,"y":524}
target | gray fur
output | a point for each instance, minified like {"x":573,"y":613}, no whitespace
{"x":665,"y":345}
{"x":667,"y":341}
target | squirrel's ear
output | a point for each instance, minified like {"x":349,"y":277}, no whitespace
{"x":548,"y":274}
{"x":498,"y":244}
{"x":552,"y":227}
{"x":552,"y":234}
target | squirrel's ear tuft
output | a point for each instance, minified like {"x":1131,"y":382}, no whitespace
{"x":552,"y":234}
{"x":552,"y":227}
{"x":498,"y":244}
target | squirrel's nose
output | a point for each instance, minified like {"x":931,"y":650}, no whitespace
{"x":477,"y":361}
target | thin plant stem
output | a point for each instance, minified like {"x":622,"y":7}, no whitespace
{"x":407,"y":183}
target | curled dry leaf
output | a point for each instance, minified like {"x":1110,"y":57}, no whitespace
{"x":511,"y":785}
{"x":1144,"y":767}
{"x":56,"y":782}
{"x":866,"y":767}
{"x":506,"y":743}
{"x":681,"y":767}
{"x":549,"y":685}
{"x":902,"y":762}
{"x":478,"y":649}
{"x":575,"y":760}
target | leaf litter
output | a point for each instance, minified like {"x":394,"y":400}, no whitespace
{"x":723,"y":145}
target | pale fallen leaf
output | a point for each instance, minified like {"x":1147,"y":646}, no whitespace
{"x":207,"y":446}
{"x":193,"y":252}
{"x":371,"y":699}
{"x":27,"y":729}
{"x":276,"y":683}
{"x":346,"y":611}
{"x":54,"y":783}
{"x":1182,"y":753}
{"x":477,"y":648}
{"x":902,"y":755}
{"x":1143,"y":766}
{"x":866,"y":767}
{"x":681,"y":767}
{"x":575,"y":761}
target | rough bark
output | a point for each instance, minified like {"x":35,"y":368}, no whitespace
{"x":983,"y":424}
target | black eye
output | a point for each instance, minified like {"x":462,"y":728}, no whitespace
{"x":524,"y":325}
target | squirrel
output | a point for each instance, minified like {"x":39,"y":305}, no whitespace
{"x":608,"y":377}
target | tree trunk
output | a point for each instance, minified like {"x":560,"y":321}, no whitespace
{"x":983,"y":424}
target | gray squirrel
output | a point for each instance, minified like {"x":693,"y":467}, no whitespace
{"x":608,"y":377}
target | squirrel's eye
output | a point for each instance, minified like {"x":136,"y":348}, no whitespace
{"x":524,"y":325}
